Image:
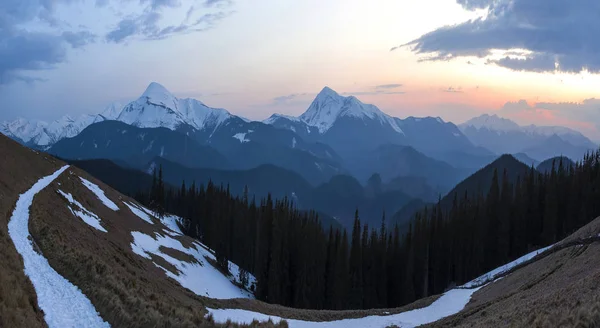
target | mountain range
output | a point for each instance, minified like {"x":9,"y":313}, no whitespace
{"x":337,"y":137}
{"x":539,"y":142}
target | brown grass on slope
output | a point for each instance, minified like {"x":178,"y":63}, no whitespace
{"x":20,"y":168}
{"x":558,"y":290}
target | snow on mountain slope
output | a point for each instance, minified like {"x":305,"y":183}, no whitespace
{"x":329,"y":106}
{"x":44,"y":135}
{"x":492,"y":275}
{"x":157,"y":107}
{"x":201,"y":277}
{"x":64,"y":304}
{"x":448,"y":304}
{"x":112,"y":111}
{"x":23,"y":129}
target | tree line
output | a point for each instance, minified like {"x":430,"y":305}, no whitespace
{"x":299,"y":263}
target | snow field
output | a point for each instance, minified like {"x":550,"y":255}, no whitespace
{"x":492,"y":275}
{"x":201,"y":277}
{"x":448,"y":304}
{"x":64,"y":305}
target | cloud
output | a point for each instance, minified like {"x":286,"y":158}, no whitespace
{"x":34,"y":38}
{"x":147,"y":25}
{"x":217,"y":3}
{"x":288,"y":98}
{"x":517,"y":106}
{"x":156,"y":4}
{"x":370,"y":93}
{"x":125,"y":29}
{"x":79,"y":39}
{"x":453,"y":90}
{"x":558,"y":35}
{"x":28,"y":51}
{"x":388,"y":86}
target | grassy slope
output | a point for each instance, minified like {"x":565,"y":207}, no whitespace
{"x":560,"y":289}
{"x":18,"y":172}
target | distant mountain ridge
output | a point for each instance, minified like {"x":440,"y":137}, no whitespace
{"x":539,"y":142}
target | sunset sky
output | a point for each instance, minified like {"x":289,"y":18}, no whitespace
{"x":450,"y":58}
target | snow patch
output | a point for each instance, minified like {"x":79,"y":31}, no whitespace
{"x":200,"y":277}
{"x":139,"y":213}
{"x":100,"y":194}
{"x":294,"y":142}
{"x":83,"y":213}
{"x":492,"y":275}
{"x":64,"y":305}
{"x":448,"y":304}
{"x":456,"y":134}
{"x":241,"y":137}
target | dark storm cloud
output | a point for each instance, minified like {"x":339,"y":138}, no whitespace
{"x":558,"y":34}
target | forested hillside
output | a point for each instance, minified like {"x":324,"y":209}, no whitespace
{"x":300,"y":264}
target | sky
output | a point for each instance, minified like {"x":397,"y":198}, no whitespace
{"x":533,"y":61}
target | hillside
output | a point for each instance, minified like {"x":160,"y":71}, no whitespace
{"x":394,"y":161}
{"x":135,"y":146}
{"x":546,"y":166}
{"x":481,"y":180}
{"x":133,"y":269}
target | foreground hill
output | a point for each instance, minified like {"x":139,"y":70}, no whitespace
{"x":133,"y":269}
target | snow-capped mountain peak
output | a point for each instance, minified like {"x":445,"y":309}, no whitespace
{"x":328,"y":106}
{"x":112,"y":111}
{"x":157,"y":107}
{"x":159,"y":95}
{"x":276,"y":116}
{"x":491,"y":122}
{"x":23,"y":129}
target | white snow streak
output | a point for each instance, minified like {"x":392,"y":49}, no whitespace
{"x":492,"y":275}
{"x":87,"y":216}
{"x":100,"y":194}
{"x":201,"y":277}
{"x":448,"y":304}
{"x":64,"y":305}
{"x":139,"y":213}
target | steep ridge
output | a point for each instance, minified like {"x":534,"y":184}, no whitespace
{"x":136,"y":146}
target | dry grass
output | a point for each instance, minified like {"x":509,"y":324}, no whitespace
{"x":20,"y":168}
{"x":559,"y":290}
